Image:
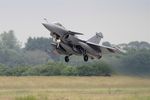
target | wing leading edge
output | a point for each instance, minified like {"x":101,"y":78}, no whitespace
{"x":74,"y":33}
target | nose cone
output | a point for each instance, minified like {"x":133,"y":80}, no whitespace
{"x":55,"y":29}
{"x":46,"y":25}
{"x":49,"y":26}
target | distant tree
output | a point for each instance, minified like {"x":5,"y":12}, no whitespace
{"x":95,"y":69}
{"x":35,"y":57}
{"x":8,"y":40}
{"x":134,"y":44}
{"x":69,"y":71}
{"x":144,"y":45}
{"x":49,"y":69}
{"x":11,"y":57}
{"x":2,"y":69}
{"x":137,"y":62}
{"x":106,"y":43}
{"x":10,"y":49}
{"x":43,"y":44}
{"x":139,"y":45}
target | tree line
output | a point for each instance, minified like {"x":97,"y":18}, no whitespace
{"x":37,"y":58}
{"x":55,"y":69}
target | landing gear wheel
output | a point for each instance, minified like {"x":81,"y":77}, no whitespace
{"x":86,"y":58}
{"x":66,"y":58}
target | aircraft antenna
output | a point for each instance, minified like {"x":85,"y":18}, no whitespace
{"x":46,"y":20}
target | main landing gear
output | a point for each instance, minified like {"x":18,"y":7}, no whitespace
{"x":85,"y":57}
{"x":66,"y":58}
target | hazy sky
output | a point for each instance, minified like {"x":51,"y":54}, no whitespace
{"x":119,"y":20}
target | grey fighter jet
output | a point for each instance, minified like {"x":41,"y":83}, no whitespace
{"x":67,"y":43}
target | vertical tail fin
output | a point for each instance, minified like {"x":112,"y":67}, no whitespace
{"x":96,"y":38}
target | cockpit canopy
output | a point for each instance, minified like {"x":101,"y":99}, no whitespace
{"x":57,"y":23}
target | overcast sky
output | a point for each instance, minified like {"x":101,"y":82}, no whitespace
{"x":120,"y":21}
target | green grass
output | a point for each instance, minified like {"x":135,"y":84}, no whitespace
{"x":74,"y":88}
{"x":29,"y":97}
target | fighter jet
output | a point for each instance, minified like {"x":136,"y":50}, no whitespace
{"x":67,"y":43}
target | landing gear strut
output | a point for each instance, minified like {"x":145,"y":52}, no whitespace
{"x":85,"y":58}
{"x":66,"y":58}
{"x":99,"y":57}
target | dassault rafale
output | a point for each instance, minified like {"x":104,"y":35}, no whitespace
{"x":67,"y":43}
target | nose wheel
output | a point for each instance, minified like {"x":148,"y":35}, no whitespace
{"x":66,"y":58}
{"x":85,"y":57}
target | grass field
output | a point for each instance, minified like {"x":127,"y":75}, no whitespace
{"x":74,"y":88}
